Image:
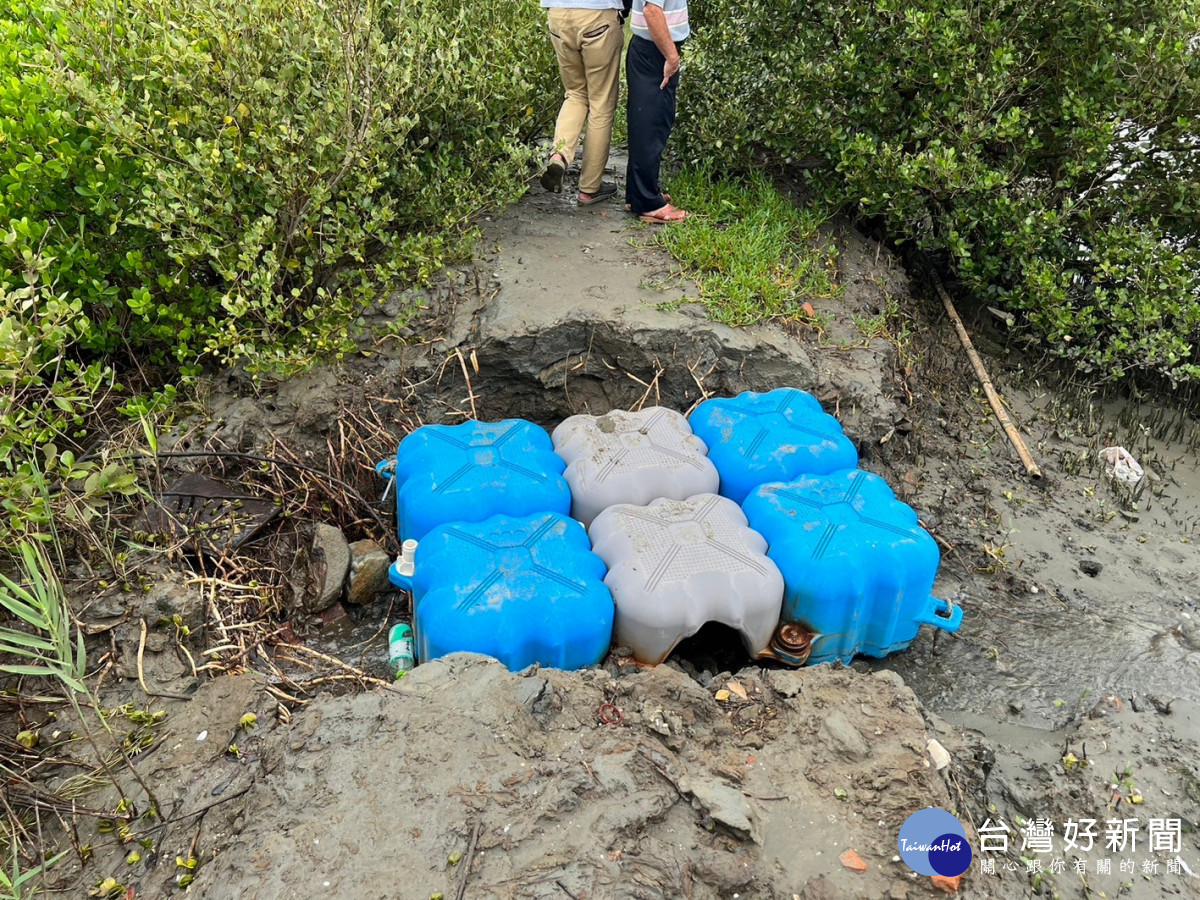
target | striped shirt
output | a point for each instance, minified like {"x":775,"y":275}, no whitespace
{"x":676,"y":12}
{"x":581,"y":4}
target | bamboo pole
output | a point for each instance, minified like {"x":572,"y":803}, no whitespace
{"x":1006,"y":423}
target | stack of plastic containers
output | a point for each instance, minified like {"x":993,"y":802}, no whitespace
{"x":499,"y":568}
{"x":751,"y":513}
{"x":678,"y":556}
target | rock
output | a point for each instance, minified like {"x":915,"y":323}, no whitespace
{"x":785,"y":684}
{"x":368,"y":572}
{"x":726,"y":804}
{"x":843,"y":738}
{"x":332,"y":614}
{"x":938,"y":754}
{"x":172,"y":596}
{"x":899,"y":891}
{"x":330,"y":558}
{"x":530,"y":691}
{"x":819,"y":889}
{"x":1090,"y":567}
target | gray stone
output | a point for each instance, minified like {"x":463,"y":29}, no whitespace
{"x":172,"y":596}
{"x":891,"y":676}
{"x":843,"y":738}
{"x":726,"y":804}
{"x":368,"y":572}
{"x":108,"y":606}
{"x":331,"y":558}
{"x":820,"y":889}
{"x":785,"y":684}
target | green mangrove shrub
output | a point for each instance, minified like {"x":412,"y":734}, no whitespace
{"x":287,"y":156}
{"x":191,"y":182}
{"x":1049,"y":149}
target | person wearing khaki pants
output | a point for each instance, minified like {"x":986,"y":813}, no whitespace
{"x":587,"y":38}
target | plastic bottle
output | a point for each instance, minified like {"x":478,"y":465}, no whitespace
{"x":400,"y":650}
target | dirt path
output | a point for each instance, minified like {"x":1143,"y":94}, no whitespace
{"x":386,"y":794}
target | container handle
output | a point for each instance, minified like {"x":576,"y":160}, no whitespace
{"x":942,"y":614}
{"x":386,"y":468}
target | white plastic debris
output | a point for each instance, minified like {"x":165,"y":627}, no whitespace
{"x":938,"y":754}
{"x":202,"y":735}
{"x":1120,"y":465}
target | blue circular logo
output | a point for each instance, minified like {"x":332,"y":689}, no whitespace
{"x":934,"y":842}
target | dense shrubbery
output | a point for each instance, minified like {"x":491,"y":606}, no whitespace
{"x":271,"y":147}
{"x":185,"y":181}
{"x":1049,"y":147}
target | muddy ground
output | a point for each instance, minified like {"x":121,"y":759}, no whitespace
{"x":1079,"y":640}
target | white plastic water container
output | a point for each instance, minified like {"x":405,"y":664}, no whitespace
{"x":631,"y":457}
{"x":675,"y":565}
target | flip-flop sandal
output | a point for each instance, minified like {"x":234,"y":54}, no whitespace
{"x":552,"y":178}
{"x":666,"y":199}
{"x":664,"y":216}
{"x":604,"y":192}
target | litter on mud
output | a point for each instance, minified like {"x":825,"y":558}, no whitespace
{"x":214,"y":517}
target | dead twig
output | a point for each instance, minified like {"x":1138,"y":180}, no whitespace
{"x":985,"y":380}
{"x":142,"y":672}
{"x":652,"y":386}
{"x":470,"y":390}
{"x":469,"y":859}
{"x":337,"y":663}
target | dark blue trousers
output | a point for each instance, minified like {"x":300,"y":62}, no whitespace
{"x":651,"y":116}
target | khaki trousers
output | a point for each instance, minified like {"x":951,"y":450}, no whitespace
{"x":588,"y":43}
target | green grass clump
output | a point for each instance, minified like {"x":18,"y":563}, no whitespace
{"x":753,"y":254}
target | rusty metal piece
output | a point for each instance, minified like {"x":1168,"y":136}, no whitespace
{"x":608,"y":714}
{"x":214,"y":517}
{"x":792,"y":643}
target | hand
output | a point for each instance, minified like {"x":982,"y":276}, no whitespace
{"x":670,"y":69}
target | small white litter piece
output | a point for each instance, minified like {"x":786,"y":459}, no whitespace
{"x":938,"y":753}
{"x":1120,"y":465}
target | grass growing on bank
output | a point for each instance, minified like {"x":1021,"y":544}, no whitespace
{"x":753,"y":253}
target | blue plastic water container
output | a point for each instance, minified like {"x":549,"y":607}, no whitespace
{"x":473,"y":471}
{"x":857,"y":569}
{"x":521,"y":589}
{"x":757,"y":438}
